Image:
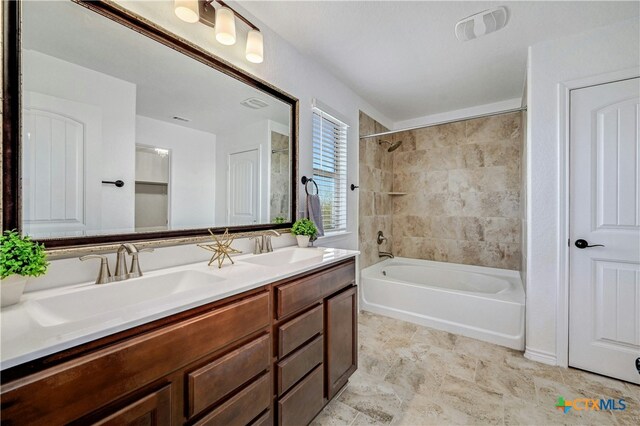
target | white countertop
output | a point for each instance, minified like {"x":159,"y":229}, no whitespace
{"x":25,"y":339}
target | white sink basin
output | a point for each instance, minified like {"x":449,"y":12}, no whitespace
{"x":119,"y":299}
{"x":286,"y":257}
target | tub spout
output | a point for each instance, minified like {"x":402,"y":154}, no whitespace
{"x":385,"y":254}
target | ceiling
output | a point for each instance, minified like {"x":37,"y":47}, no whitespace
{"x":404,"y":59}
{"x":168,"y":83}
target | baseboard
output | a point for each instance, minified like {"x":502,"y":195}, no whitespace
{"x":540,"y":356}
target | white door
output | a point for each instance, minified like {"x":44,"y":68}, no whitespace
{"x":60,"y":160}
{"x":604,"y":333}
{"x":244,"y":187}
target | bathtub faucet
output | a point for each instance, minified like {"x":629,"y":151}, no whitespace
{"x":381,"y":239}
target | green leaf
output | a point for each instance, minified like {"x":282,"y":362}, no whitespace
{"x":21,"y":256}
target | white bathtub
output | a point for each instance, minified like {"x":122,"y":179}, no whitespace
{"x":474,"y":301}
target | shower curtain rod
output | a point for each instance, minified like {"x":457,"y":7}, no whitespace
{"x":439,"y":123}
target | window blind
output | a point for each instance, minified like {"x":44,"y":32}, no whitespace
{"x":330,"y":169}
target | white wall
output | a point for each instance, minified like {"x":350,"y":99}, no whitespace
{"x":291,"y":71}
{"x":192,"y":195}
{"x":117,"y":101}
{"x":553,"y":64}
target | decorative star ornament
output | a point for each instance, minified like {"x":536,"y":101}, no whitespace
{"x":221,"y":248}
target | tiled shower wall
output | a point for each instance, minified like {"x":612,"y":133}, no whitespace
{"x":280,"y":176}
{"x":463,"y":182}
{"x":376,"y":178}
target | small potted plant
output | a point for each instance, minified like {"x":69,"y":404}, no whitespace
{"x":20,"y":258}
{"x":304,"y":230}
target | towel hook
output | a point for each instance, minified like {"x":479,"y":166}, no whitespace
{"x":305,"y":181}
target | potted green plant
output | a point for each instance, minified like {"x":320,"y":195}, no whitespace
{"x":304,"y":230}
{"x":20,"y":258}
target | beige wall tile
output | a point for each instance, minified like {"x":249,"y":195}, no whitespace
{"x":495,"y":128}
{"x":440,"y":136}
{"x":376,"y":178}
{"x":463,"y":182}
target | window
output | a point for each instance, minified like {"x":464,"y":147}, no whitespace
{"x":330,"y":169}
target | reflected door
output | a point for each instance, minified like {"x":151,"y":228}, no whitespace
{"x":604,"y":334}
{"x":61,"y":141}
{"x":244,"y":187}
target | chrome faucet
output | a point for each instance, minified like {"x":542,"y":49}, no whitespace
{"x":263,"y":241}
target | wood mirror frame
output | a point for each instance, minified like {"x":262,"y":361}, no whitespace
{"x":11,"y":120}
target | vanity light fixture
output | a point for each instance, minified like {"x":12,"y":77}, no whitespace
{"x":254,"y":51}
{"x":223,"y":21}
{"x":225,"y":26}
{"x":187,"y":10}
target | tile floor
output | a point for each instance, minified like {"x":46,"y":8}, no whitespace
{"x":413,"y":375}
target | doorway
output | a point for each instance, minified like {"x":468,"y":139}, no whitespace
{"x":604,"y":218}
{"x":153,"y":169}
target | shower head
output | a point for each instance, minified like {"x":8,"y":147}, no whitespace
{"x":392,"y":147}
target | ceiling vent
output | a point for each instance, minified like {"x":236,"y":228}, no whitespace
{"x":481,"y":24}
{"x":254,"y":103}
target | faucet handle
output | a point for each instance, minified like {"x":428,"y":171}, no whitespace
{"x":257,"y":248}
{"x":104,"y":274}
{"x":135,"y":270}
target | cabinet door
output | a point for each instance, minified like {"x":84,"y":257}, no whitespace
{"x":151,"y":410}
{"x":342,"y":339}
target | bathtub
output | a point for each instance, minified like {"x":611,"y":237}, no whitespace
{"x":474,"y":301}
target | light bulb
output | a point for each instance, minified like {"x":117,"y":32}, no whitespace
{"x":255,"y":47}
{"x":225,"y":26}
{"x":187,"y":10}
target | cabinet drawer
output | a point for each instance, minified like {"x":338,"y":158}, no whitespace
{"x":299,"y":330}
{"x":210,"y":383}
{"x":243,"y":407}
{"x":153,"y":409}
{"x":296,"y":295}
{"x":92,"y":381}
{"x":264,"y":420}
{"x":298,"y":364}
{"x":304,"y":401}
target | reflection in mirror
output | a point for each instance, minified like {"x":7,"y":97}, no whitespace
{"x":152,"y":188}
{"x":280,"y":173}
{"x":195,"y":148}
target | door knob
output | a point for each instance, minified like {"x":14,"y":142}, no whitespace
{"x":582,"y":244}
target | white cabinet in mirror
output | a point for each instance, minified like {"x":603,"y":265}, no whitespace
{"x":122,"y":134}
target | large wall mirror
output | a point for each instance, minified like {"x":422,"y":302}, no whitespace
{"x":127,"y":133}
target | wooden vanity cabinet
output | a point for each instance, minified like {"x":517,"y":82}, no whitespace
{"x":341,"y":331}
{"x":315,"y":340}
{"x":96,"y":384}
{"x":273,"y":355}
